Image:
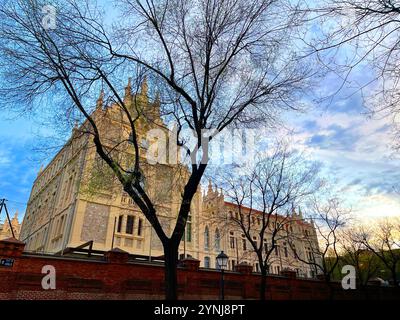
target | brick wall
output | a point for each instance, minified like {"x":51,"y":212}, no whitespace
{"x":115,"y":277}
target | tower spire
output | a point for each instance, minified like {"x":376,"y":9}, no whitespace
{"x":100,"y":100}
{"x":300,"y":213}
{"x":128,"y":88}
{"x":210,"y":189}
{"x":128,"y":92}
{"x":144,"y":90}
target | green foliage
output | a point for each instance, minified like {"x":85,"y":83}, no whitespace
{"x":98,"y":179}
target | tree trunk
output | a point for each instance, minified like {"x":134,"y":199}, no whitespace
{"x":394,"y":278}
{"x":263,"y":284}
{"x":171,"y":279}
{"x":330,"y":287}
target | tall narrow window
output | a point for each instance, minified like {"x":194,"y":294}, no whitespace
{"x":244,"y":244}
{"x":285,"y":250}
{"x":119,"y":226}
{"x":130,"y":220}
{"x":231,"y":240}
{"x":265,"y":246}
{"x":217,"y":240}
{"x":60,"y":226}
{"x":206,"y":238}
{"x":140,"y":227}
{"x":189,"y":229}
{"x":207,"y":262}
{"x":255,"y":241}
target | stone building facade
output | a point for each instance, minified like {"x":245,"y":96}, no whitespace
{"x":75,"y":199}
{"x":5,"y":230}
{"x":220,"y":230}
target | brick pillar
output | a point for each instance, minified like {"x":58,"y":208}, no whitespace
{"x":289,"y":274}
{"x":116,"y":256}
{"x":244,"y":268}
{"x":190,"y":264}
{"x":11,"y":247}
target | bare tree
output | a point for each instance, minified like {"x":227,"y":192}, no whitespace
{"x":329,"y":218}
{"x":215,"y":63}
{"x":384,"y":242}
{"x":265,"y":196}
{"x":361,"y":32}
{"x":355,"y":253}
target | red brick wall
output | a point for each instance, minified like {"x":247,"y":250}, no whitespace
{"x":108,"y":279}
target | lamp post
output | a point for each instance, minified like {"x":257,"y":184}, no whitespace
{"x":222,"y":262}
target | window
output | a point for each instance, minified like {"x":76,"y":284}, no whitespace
{"x":257,"y":267}
{"x":119,"y":226}
{"x":140,"y":227}
{"x":189,"y":229}
{"x":233,"y":264}
{"x":255,"y":241}
{"x":278,"y":269}
{"x":61,"y":226}
{"x":68,"y":189}
{"x":309,"y":255}
{"x":206,"y":238}
{"x":124,"y":198}
{"x":276,"y":250}
{"x":265,"y":246}
{"x":285,"y":250}
{"x":129,"y":224}
{"x":244,"y":244}
{"x":207,"y":262}
{"x":231,"y":240}
{"x":217,"y":240}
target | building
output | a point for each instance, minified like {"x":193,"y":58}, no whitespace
{"x":5,"y":230}
{"x":220,"y":232}
{"x":75,"y":199}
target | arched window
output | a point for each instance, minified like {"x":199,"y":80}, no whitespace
{"x":206,"y":238}
{"x":217,"y":240}
{"x":207,"y":262}
{"x":189,"y":228}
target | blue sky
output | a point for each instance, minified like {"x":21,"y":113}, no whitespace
{"x":18,"y":168}
{"x":355,"y":152}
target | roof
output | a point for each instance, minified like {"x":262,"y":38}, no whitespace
{"x":259,"y":211}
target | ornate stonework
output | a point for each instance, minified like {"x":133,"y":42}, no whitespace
{"x":95,"y":223}
{"x":5,"y":230}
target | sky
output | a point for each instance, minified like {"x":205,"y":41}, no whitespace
{"x":355,"y":152}
{"x":356,"y":155}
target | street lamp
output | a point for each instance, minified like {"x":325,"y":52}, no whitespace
{"x":222,"y":262}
